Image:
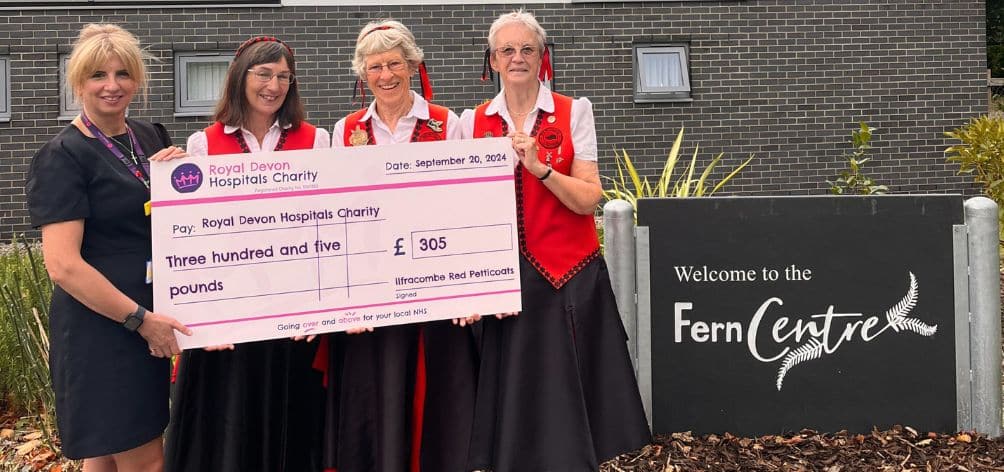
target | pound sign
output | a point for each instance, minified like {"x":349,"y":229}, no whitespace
{"x":398,"y":247}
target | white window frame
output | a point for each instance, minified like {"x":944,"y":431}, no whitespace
{"x":679,"y":93}
{"x":5,"y":88}
{"x":184,"y":106}
{"x":69,"y":107}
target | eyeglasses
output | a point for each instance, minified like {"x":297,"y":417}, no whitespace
{"x":509,"y":51}
{"x":265,"y":75}
{"x":393,"y":66}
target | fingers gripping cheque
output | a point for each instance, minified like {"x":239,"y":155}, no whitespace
{"x":285,"y":244}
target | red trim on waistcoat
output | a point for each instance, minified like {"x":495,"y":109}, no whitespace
{"x":557,"y":241}
{"x":421,"y":133}
{"x":219,"y":142}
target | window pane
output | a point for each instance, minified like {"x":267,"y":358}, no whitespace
{"x":68,"y":105}
{"x":661,"y":71}
{"x":4,"y":87}
{"x":205,"y":80}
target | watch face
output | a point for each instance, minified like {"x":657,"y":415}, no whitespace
{"x":132,"y":323}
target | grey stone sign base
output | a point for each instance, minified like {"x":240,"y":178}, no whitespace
{"x":977,"y":305}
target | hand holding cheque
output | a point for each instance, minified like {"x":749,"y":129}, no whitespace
{"x":279,"y":244}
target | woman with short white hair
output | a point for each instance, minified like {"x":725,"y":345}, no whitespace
{"x":556,"y":386}
{"x":400,"y":397}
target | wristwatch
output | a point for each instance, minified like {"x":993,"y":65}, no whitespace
{"x":135,"y":319}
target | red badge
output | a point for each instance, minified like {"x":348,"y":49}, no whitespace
{"x":549,"y":138}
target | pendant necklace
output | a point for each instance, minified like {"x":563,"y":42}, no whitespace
{"x":132,"y":154}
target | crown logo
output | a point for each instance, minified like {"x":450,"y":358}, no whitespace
{"x":186,"y":178}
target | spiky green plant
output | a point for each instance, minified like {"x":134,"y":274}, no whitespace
{"x":630,"y":185}
{"x":25,"y":291}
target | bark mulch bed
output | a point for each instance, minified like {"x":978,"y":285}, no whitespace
{"x":23,"y":449}
{"x":898,"y":449}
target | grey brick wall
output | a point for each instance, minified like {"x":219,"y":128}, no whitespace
{"x":784,"y":80}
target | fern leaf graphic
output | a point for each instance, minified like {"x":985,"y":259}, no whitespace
{"x":919,"y":327}
{"x":898,"y":312}
{"x":813,"y":349}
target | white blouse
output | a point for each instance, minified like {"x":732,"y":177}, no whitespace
{"x":405,"y":124}
{"x":198,"y":144}
{"x":582,"y":124}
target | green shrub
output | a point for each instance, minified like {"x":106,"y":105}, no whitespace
{"x":25,"y":291}
{"x":981,"y":154}
{"x":852,"y":181}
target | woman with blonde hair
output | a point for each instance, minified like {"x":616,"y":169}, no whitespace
{"x":87,"y":190}
{"x":400,"y":397}
{"x":556,"y":387}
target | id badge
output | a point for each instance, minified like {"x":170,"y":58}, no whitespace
{"x":149,"y":272}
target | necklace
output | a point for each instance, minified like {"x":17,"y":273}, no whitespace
{"x":516,"y":114}
{"x":132,"y":154}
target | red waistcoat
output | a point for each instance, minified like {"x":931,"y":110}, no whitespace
{"x":219,"y":142}
{"x":433,"y":129}
{"x":556,"y":240}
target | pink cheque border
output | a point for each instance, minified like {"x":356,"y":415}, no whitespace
{"x":329,"y":191}
{"x":357,"y":307}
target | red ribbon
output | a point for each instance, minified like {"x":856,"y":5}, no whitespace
{"x":486,"y":70}
{"x":546,"y":70}
{"x":359,"y":90}
{"x":423,"y":74}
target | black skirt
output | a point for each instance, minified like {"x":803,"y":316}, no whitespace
{"x":257,"y":408}
{"x":372,"y":425}
{"x":557,"y":390}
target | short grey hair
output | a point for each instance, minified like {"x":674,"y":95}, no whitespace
{"x":517,"y":17}
{"x":381,"y":36}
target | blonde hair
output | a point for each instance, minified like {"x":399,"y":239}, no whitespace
{"x":98,"y":43}
{"x":382,"y":36}
{"x":517,"y":17}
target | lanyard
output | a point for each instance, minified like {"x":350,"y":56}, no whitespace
{"x":131,"y":164}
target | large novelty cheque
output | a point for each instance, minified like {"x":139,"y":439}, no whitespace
{"x":270,"y":245}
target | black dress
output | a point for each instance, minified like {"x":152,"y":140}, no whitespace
{"x":372,"y":424}
{"x":557,"y":391}
{"x":256,"y":408}
{"x":111,"y":394}
{"x":259,"y":408}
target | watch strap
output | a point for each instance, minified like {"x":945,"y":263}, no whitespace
{"x":134,"y":320}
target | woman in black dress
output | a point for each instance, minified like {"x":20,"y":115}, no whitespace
{"x":556,"y":389}
{"x":87,"y":189}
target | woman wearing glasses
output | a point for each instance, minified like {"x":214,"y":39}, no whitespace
{"x":403,"y":395}
{"x":257,"y":407}
{"x":556,"y":387}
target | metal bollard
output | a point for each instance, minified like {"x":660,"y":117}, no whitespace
{"x":619,"y":253}
{"x":984,"y":314}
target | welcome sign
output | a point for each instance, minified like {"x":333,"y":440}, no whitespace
{"x":775,"y":314}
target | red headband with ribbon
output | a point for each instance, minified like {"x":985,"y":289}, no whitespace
{"x":423,"y":74}
{"x":258,"y":39}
